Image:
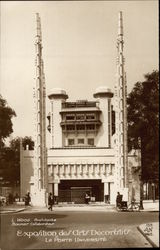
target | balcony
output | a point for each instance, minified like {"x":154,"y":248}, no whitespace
{"x":78,"y":122}
{"x":79,"y":104}
{"x":80,"y":127}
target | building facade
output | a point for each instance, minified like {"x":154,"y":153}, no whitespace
{"x":88,"y":150}
{"x":82,"y":156}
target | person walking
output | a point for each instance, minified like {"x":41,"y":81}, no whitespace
{"x":50,"y":201}
{"x":27,"y":199}
{"x":87,"y":197}
{"x":118,"y":199}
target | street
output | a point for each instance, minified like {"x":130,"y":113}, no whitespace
{"x":64,"y":230}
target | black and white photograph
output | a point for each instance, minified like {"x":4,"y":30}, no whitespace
{"x":79,"y":124}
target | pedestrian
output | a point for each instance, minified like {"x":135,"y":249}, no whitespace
{"x":10,"y":198}
{"x":27,"y":199}
{"x":87,"y":198}
{"x":118,"y":199}
{"x":50,"y":201}
{"x":16,"y":197}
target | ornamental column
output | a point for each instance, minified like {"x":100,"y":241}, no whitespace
{"x":121,"y":165}
{"x":39,"y":181}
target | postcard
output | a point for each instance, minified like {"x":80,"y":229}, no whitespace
{"x":79,"y":125}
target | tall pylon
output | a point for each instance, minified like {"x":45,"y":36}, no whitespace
{"x":121,"y":146}
{"x":39,"y":184}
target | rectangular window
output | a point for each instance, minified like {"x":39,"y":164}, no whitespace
{"x":70,"y":127}
{"x":90,"y":117}
{"x":70,"y":117}
{"x":90,"y":126}
{"x":80,"y":141}
{"x":91,"y":141}
{"x":80,"y":127}
{"x":70,"y":142}
{"x":80,"y":117}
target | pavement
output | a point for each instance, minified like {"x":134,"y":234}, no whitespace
{"x":150,"y":230}
{"x":11,"y":209}
{"x":59,"y":207}
{"x":149,"y":206}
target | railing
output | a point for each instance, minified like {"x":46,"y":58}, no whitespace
{"x":87,"y":122}
{"x":79,"y":104}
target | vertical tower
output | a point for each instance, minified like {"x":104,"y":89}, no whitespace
{"x":39,"y":183}
{"x":104,"y":96}
{"x":121,"y":114}
{"x":57,"y":96}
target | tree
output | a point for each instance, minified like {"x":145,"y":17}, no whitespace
{"x":27,"y":140}
{"x":6,"y":114}
{"x":143,"y":122}
{"x":9,"y":172}
{"x":10,"y":160}
{"x":10,"y":156}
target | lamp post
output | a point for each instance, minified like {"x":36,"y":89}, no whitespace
{"x":140,"y":175}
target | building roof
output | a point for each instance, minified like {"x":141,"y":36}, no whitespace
{"x":57,"y":93}
{"x":103,"y":91}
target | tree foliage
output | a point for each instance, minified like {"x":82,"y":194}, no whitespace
{"x":6,"y":114}
{"x":27,"y":140}
{"x":10,"y":156}
{"x":9,"y":170}
{"x":10,"y":160}
{"x":143,"y":123}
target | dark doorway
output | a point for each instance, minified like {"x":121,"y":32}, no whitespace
{"x":74,"y":190}
{"x":78,"y":194}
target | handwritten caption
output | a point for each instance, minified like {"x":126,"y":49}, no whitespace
{"x":34,"y":222}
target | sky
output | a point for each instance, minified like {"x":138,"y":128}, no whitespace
{"x":79,"y":49}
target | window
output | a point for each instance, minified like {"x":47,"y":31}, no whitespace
{"x":70,"y":117}
{"x":80,"y":117}
{"x":70,"y":127}
{"x":91,"y":141}
{"x":80,"y":127}
{"x":90,"y":126}
{"x":80,"y":141}
{"x":90,"y":117}
{"x":70,"y":142}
